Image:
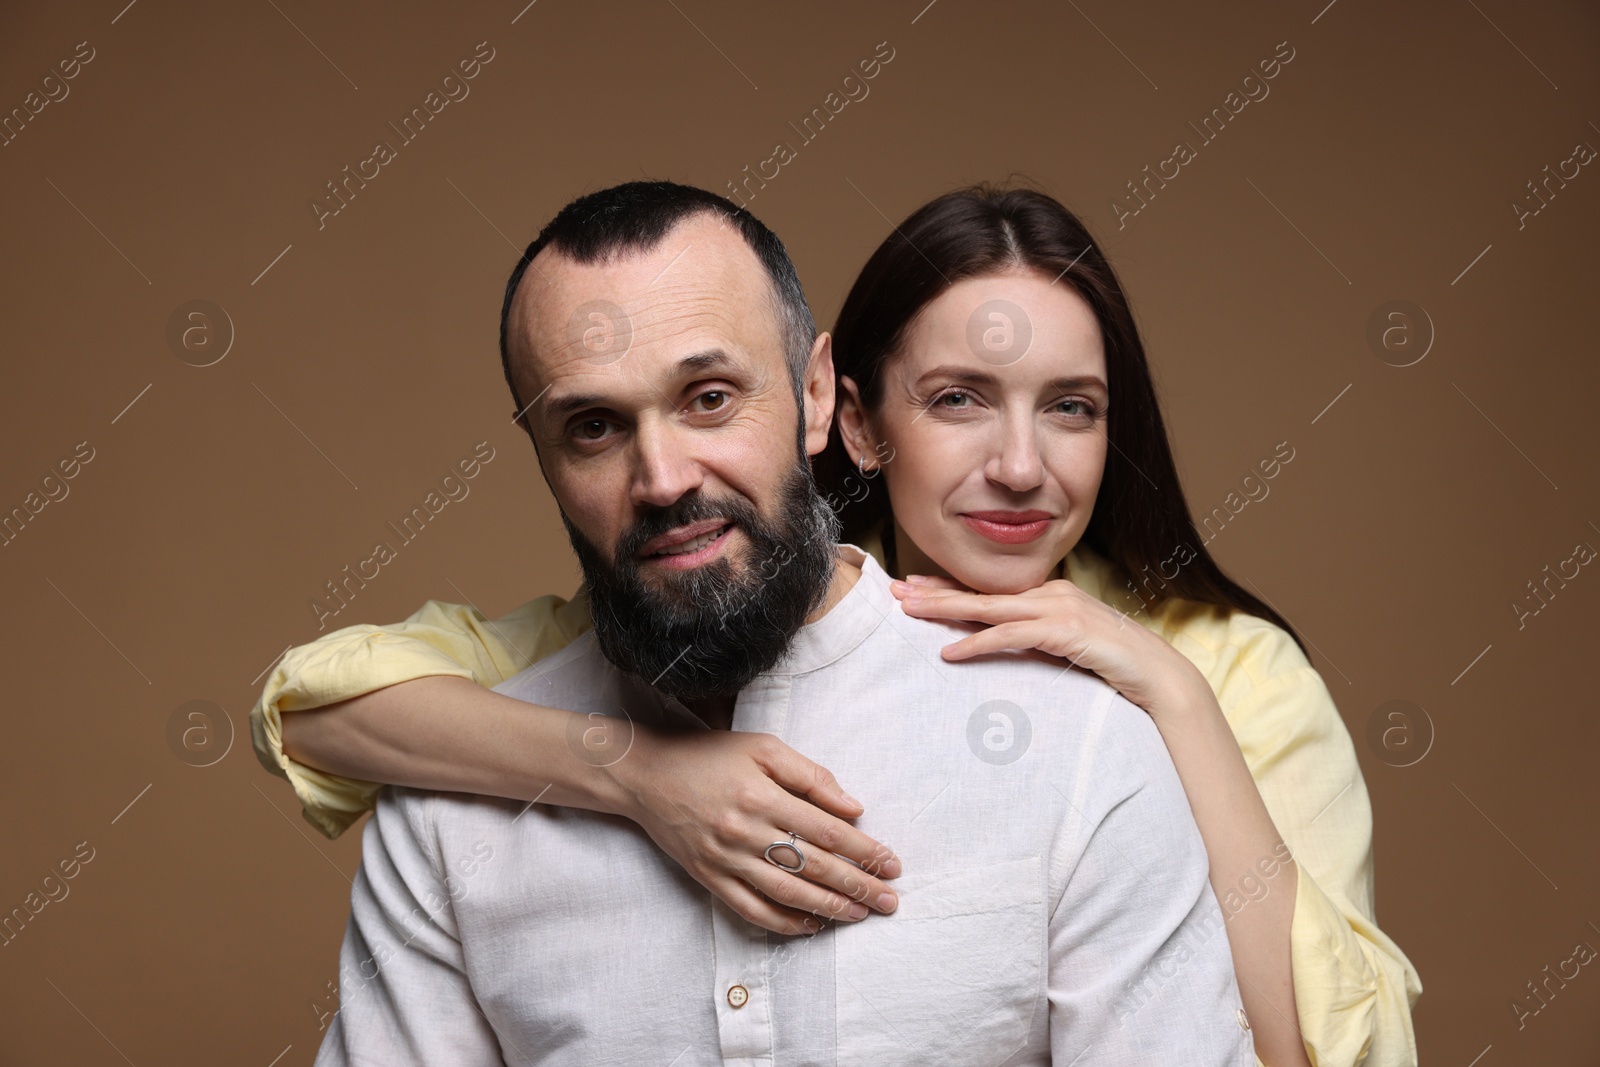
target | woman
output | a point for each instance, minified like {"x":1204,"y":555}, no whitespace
{"x":976,"y":455}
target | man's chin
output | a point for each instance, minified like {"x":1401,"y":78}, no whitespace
{"x":711,"y":623}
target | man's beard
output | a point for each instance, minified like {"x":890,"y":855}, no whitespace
{"x":711,"y":630}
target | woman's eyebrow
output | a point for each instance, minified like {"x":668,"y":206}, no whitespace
{"x":1080,"y":381}
{"x":969,"y":376}
{"x":958,"y":373}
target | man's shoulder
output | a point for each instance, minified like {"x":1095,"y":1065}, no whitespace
{"x":422,"y":823}
{"x":576,"y":677}
{"x":1066,"y":710}
{"x":574,"y":653}
{"x":920,"y":643}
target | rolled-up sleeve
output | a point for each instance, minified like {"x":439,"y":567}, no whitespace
{"x":1354,"y":988}
{"x":438,"y":639}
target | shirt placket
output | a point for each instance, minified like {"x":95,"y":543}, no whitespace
{"x":744,"y":991}
{"x":743,"y":996}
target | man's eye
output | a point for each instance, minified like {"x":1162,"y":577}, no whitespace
{"x":590,"y":430}
{"x":711,"y":402}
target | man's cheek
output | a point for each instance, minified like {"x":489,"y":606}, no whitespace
{"x":593,"y":504}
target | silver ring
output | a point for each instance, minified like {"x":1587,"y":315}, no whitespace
{"x":792,"y":847}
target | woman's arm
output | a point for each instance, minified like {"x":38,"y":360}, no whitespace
{"x":450,"y":733}
{"x":438,"y":639}
{"x":1354,"y":986}
{"x":712,"y":799}
{"x":1243,"y":842}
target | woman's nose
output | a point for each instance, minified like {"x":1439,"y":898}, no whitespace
{"x":1017,"y":464}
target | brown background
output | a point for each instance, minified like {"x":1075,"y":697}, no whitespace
{"x":1382,"y":166}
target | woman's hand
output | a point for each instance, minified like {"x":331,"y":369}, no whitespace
{"x":715,"y":799}
{"x":1062,"y":620}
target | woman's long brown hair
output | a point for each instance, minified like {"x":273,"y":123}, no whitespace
{"x":1141,"y":521}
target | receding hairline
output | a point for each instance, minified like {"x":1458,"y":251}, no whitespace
{"x":520,"y":307}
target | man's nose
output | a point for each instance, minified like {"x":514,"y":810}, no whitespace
{"x":1016,"y":463}
{"x":665,"y":468}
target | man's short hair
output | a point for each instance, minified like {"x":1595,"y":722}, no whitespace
{"x":634,"y":217}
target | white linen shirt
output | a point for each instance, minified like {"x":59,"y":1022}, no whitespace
{"x":1055,"y":907}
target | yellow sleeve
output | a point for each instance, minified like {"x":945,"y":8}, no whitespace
{"x":1353,"y":986}
{"x":440,"y":638}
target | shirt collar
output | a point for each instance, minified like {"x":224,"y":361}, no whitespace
{"x":847,"y":624}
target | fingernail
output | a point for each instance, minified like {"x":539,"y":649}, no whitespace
{"x":915,"y":578}
{"x":899,"y":586}
{"x":857,"y":911}
{"x":887,"y":902}
{"x":812,"y":926}
{"x":848,"y":799}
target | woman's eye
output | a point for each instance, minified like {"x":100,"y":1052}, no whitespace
{"x":712,"y":399}
{"x":1077,"y":409}
{"x":954,"y":399}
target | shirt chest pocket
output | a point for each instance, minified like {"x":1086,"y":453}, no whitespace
{"x":953,"y":976}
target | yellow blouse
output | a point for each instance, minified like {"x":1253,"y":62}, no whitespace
{"x":1353,"y":986}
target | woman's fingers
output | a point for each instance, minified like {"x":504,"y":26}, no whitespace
{"x":753,"y":907}
{"x":995,"y":639}
{"x":714,"y":800}
{"x":934,"y":581}
{"x":790,"y":903}
{"x":969,"y":607}
{"x":820,"y":889}
{"x":815,"y":821}
{"x":842,"y":858}
{"x":805,"y":808}
{"x":817,"y":784}
{"x":811,"y":780}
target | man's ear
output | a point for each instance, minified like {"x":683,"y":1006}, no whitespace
{"x":853,"y":427}
{"x":522,"y":420}
{"x":819,"y":398}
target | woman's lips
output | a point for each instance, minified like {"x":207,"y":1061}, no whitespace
{"x":1008,"y":527}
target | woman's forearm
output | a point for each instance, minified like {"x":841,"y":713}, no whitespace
{"x":1243,"y":845}
{"x":450,"y":733}
{"x":702,"y":795}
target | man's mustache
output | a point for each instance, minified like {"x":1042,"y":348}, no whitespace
{"x":690,"y":508}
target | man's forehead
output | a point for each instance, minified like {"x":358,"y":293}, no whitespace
{"x":702,"y":276}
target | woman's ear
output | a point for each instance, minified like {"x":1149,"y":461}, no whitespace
{"x":854,"y":427}
{"x":817,"y":412}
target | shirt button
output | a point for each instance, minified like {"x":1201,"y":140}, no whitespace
{"x":738,"y":996}
{"x":1244,"y":1020}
